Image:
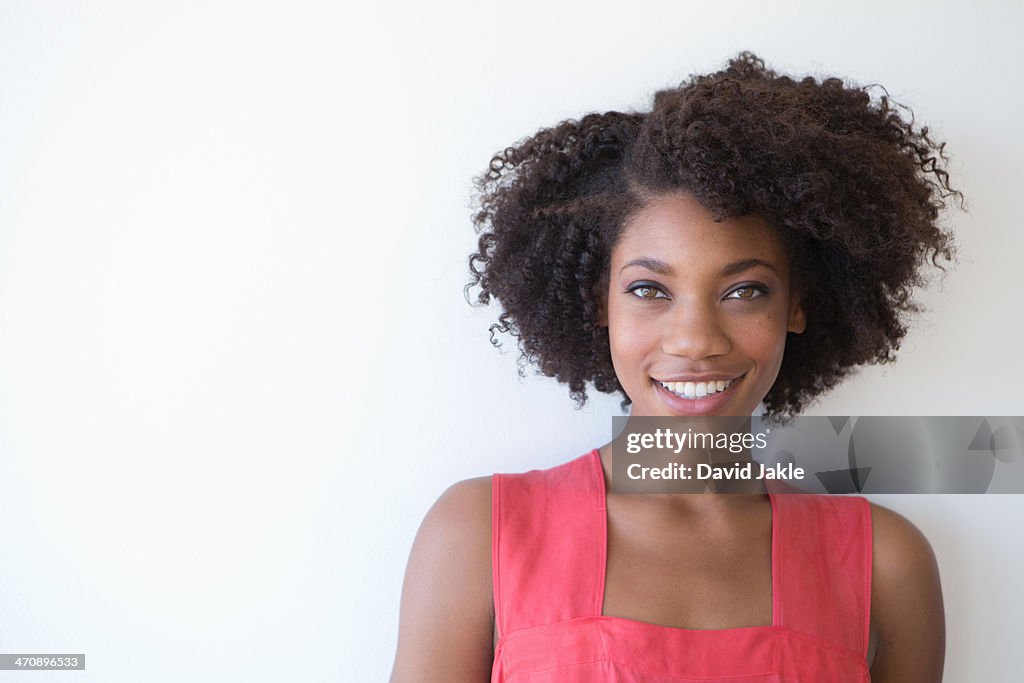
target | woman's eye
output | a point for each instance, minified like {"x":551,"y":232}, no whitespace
{"x":746,"y":292}
{"x":647,"y":292}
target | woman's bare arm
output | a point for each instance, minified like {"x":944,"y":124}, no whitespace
{"x":446,"y":622}
{"x":906,"y":603}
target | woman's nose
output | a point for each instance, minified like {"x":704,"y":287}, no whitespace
{"x":695,"y":332}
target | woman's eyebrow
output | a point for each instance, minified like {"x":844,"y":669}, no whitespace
{"x":652,"y":264}
{"x":662,"y":268}
{"x":746,"y":264}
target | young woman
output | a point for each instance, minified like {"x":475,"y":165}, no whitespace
{"x":747,"y":242}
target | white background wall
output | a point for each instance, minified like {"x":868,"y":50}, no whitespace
{"x":236,"y":365}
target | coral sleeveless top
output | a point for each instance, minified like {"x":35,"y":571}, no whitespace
{"x":549,"y":551}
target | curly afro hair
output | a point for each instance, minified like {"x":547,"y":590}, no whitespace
{"x":853,"y":189}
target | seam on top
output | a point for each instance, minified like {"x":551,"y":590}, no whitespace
{"x":602,"y":541}
{"x":776,"y":631}
{"x":654,"y":672}
{"x":495,"y":539}
{"x":776,"y":561}
{"x":778,"y":634}
{"x":868,"y":559}
{"x":602,"y":544}
{"x":776,"y":578}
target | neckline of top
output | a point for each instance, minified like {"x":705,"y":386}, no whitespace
{"x":597,"y":470}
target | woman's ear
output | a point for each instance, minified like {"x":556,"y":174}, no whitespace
{"x":797,"y":318}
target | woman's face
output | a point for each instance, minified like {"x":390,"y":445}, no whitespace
{"x":697,"y":311}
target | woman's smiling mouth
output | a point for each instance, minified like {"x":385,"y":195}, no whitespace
{"x":694,"y":390}
{"x":696,"y":398}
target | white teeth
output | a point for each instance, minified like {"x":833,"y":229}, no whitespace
{"x":693,"y":390}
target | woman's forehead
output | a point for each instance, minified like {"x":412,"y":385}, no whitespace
{"x":677,"y":226}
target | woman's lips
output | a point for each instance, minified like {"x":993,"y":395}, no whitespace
{"x":703,"y":405}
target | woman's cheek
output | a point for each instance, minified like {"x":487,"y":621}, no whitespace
{"x":632,"y":341}
{"x":769,"y":340}
{"x":636,"y":335}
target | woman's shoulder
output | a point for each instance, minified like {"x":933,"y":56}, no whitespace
{"x":465,"y":507}
{"x":906,"y":600}
{"x":467,"y":492}
{"x":899,"y":550}
{"x":461,"y":516}
{"x":446,"y":617}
